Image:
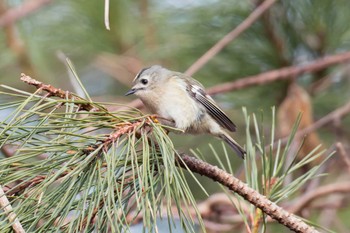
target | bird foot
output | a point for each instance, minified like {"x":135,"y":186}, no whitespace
{"x":154,"y":118}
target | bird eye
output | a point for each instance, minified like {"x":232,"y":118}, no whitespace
{"x":144,"y":81}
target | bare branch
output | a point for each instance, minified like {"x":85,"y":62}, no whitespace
{"x":270,"y":208}
{"x":57,"y":92}
{"x":306,"y":199}
{"x":7,"y":208}
{"x":14,"y":42}
{"x":336,"y":114}
{"x":229,"y":37}
{"x":343,"y":154}
{"x":280,"y":74}
{"x":275,"y":38}
{"x":20,"y":187}
{"x":21,"y":11}
{"x":46,"y":87}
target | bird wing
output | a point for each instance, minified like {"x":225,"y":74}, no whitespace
{"x":198,"y":93}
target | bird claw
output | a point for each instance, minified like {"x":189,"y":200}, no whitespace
{"x":154,"y":118}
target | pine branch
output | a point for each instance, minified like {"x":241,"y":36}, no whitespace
{"x":185,"y":161}
{"x":105,"y":144}
{"x":53,"y":91}
{"x":270,"y":208}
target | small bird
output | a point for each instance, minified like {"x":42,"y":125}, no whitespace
{"x":183,"y":102}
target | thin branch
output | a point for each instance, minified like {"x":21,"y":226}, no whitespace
{"x":28,"y":7}
{"x":46,"y":87}
{"x":7,"y":208}
{"x":336,"y":114}
{"x":306,"y":199}
{"x":280,"y":74}
{"x":343,"y":155}
{"x":274,"y":37}
{"x":149,"y":28}
{"x":58,"y":92}
{"x":229,"y":37}
{"x":16,"y":45}
{"x":20,"y":187}
{"x":270,"y":208}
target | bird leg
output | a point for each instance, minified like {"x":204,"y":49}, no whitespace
{"x":154,"y":118}
{"x":162,"y":121}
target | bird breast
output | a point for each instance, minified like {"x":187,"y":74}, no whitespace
{"x":175,"y":104}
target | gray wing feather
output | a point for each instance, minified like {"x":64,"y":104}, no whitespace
{"x":199,"y":94}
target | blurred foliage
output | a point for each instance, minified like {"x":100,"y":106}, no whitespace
{"x":182,"y":31}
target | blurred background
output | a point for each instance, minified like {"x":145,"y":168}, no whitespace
{"x":37,"y":35}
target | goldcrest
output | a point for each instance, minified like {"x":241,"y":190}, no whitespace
{"x":182,"y":101}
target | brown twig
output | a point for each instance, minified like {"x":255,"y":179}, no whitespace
{"x":306,"y":199}
{"x":21,"y":11}
{"x":46,"y":87}
{"x":270,"y":208}
{"x":36,"y":180}
{"x":58,"y":92}
{"x":274,"y":37}
{"x":336,"y":114}
{"x":343,"y":154}
{"x":149,"y":28}
{"x":229,"y":37}
{"x":14,"y":42}
{"x":280,"y":74}
{"x":7,"y":208}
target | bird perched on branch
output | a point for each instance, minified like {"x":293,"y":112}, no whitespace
{"x":182,"y":101}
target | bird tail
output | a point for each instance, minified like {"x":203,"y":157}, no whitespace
{"x":234,"y":145}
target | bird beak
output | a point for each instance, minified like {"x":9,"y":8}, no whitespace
{"x":131,"y":91}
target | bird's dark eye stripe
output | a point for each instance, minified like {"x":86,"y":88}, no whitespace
{"x":139,"y":74}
